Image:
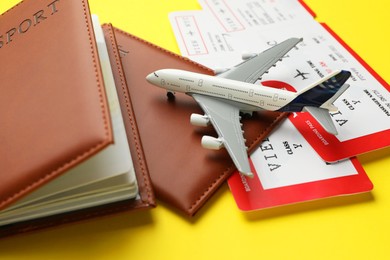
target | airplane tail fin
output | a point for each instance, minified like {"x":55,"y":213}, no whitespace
{"x":324,"y":92}
{"x":318,"y":98}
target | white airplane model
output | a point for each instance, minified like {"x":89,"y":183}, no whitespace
{"x":224,"y":96}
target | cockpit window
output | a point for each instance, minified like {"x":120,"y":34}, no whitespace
{"x":155,"y":74}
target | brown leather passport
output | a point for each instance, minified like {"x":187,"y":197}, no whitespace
{"x":183,"y":173}
{"x":53,"y":106}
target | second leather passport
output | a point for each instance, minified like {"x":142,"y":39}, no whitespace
{"x":183,"y":173}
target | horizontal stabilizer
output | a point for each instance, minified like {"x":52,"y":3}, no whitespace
{"x":329,"y":104}
{"x":323,"y":117}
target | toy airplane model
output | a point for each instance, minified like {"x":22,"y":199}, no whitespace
{"x":224,"y":96}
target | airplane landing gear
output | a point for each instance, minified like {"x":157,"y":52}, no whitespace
{"x":170,"y":95}
{"x":247,"y":114}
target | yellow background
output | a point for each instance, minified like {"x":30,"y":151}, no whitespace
{"x":342,"y":228}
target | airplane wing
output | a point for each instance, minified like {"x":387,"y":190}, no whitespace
{"x":252,"y":69}
{"x":226,"y":121}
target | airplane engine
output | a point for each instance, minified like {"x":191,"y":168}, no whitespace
{"x":212,"y":143}
{"x":220,"y":70}
{"x":199,"y":120}
{"x":247,"y":56}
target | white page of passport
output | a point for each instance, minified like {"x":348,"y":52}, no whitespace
{"x":82,"y":197}
{"x":110,"y":171}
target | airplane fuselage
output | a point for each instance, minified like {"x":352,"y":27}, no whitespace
{"x":251,"y":97}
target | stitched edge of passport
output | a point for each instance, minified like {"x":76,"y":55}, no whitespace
{"x":14,"y":230}
{"x":83,"y":155}
{"x":13,"y":7}
{"x":164,"y":50}
{"x":129,"y":109}
{"x":225,"y":172}
{"x":65,"y":220}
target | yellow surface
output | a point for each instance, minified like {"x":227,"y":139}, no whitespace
{"x":341,"y":228}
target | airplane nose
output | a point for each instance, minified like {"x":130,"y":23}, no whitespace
{"x":151,"y":78}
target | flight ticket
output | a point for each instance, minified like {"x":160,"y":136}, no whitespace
{"x":320,"y":53}
{"x":202,"y":34}
{"x":284,"y":174}
{"x":234,"y":16}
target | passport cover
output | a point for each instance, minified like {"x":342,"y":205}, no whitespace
{"x":183,"y":173}
{"x":53,"y":108}
{"x":53,"y":115}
